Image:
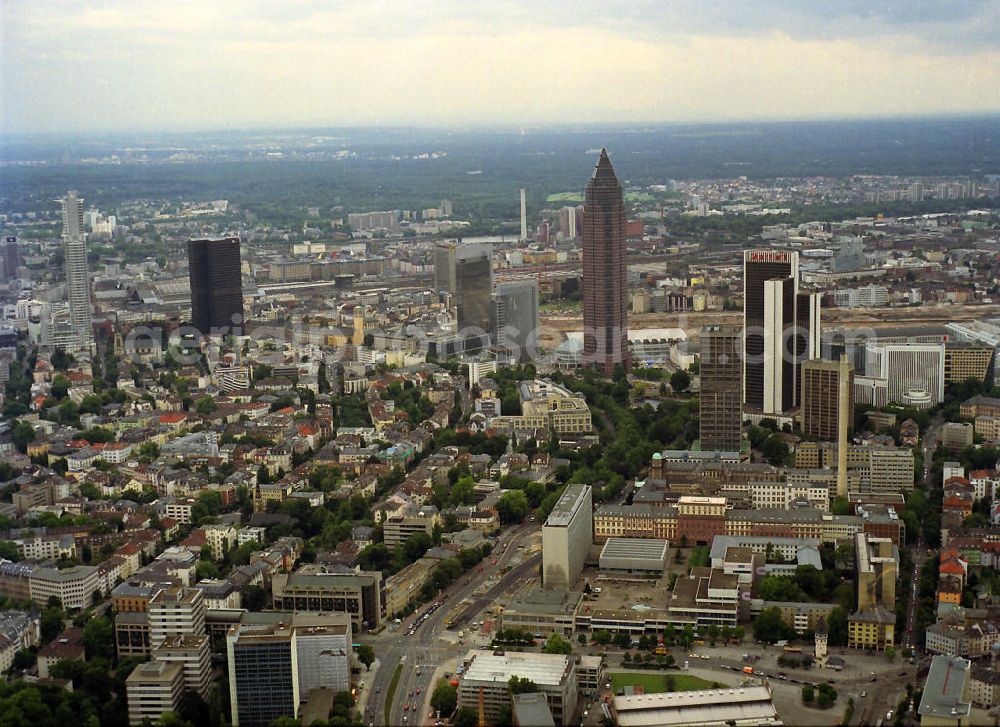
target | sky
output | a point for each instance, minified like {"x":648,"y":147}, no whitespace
{"x":70,"y":66}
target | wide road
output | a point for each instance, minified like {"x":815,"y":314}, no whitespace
{"x":421,"y":653}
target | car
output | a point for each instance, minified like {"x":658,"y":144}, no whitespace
{"x":418,"y":691}
{"x":406,"y":707}
{"x":864,"y":694}
{"x":378,"y":689}
{"x":494,"y":561}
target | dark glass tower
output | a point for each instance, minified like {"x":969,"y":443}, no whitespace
{"x":216,"y":284}
{"x":721,"y":419}
{"x":605,"y":309}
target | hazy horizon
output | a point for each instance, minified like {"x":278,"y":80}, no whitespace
{"x":76,"y":67}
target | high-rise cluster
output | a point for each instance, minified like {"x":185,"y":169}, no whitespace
{"x":781,"y":330}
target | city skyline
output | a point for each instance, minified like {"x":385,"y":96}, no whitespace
{"x":281,"y":67}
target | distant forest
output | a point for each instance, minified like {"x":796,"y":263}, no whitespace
{"x":383,"y":174}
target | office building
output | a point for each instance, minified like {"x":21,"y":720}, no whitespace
{"x":851,"y":256}
{"x":487,"y":676}
{"x":175,"y":611}
{"x":567,"y":222}
{"x":770,"y":294}
{"x":877,"y":567}
{"x":566,"y":537}
{"x":314,"y":587}
{"x":827,"y":395}
{"x":216,"y":285}
{"x":77,"y":273}
{"x":263,"y":673}
{"x":721,"y":418}
{"x":605,"y":297}
{"x":515,"y":320}
{"x":903,"y":373}
{"x":10,"y":255}
{"x":465,"y":270}
{"x":546,"y":405}
{"x":965,"y":361}
{"x":152,"y":689}
{"x":323,"y":653}
{"x":945,"y":701}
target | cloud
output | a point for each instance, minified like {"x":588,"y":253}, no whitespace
{"x":145,"y":64}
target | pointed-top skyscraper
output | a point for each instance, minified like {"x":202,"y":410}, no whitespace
{"x":605,"y":309}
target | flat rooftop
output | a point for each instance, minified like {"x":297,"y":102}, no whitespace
{"x":488,"y":666}
{"x":635,"y":548}
{"x":945,"y":688}
{"x":744,"y":705}
{"x":573,"y":498}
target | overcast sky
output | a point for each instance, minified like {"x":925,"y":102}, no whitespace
{"x":180,"y":64}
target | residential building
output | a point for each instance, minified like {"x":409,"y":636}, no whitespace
{"x":566,"y":537}
{"x":956,"y":436}
{"x":721,"y":415}
{"x":175,"y":611}
{"x":152,"y":689}
{"x":872,"y":629}
{"x":397,"y":528}
{"x":605,"y":295}
{"x":193,"y":653}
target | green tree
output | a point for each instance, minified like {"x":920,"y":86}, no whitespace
{"x":512,"y":507}
{"x":808,"y":693}
{"x":366,"y":655}
{"x":769,"y":627}
{"x":521,"y":685}
{"x":465,"y":717}
{"x":556,"y":644}
{"x":680,"y":381}
{"x":601,"y":637}
{"x":99,"y":638}
{"x":22,"y":434}
{"x":444,"y":699}
{"x":205,"y":405}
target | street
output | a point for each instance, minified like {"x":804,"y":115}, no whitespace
{"x":422,"y":653}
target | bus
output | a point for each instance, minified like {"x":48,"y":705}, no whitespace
{"x":792,"y":650}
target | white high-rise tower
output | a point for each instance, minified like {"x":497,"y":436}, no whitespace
{"x":77,"y":274}
{"x":524,"y":217}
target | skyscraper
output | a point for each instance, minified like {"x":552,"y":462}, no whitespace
{"x":77,"y":274}
{"x":721,"y":417}
{"x":466,"y":271}
{"x":10,"y":254}
{"x":605,"y":305}
{"x":781,"y":330}
{"x":216,"y":284}
{"x":263,"y":673}
{"x":515,"y":319}
{"x":524,"y":216}
{"x":827,"y":395}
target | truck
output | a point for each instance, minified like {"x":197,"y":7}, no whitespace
{"x":661,"y":650}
